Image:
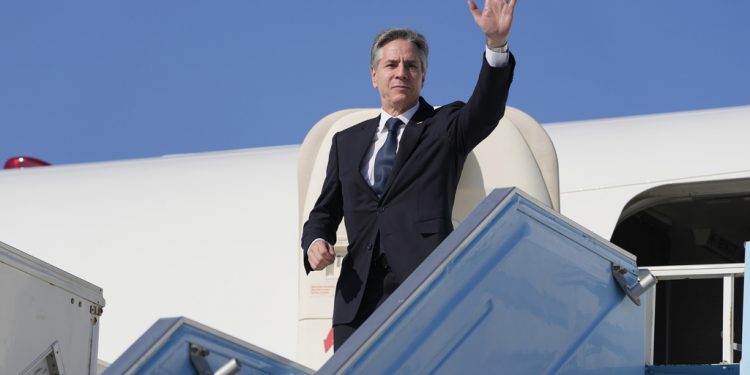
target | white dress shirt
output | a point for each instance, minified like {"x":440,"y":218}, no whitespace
{"x":368,"y":169}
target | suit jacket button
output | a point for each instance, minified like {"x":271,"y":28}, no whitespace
{"x":381,"y":210}
{"x":369,"y":246}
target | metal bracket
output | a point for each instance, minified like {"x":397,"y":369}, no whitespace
{"x":96,"y":310}
{"x":49,"y":362}
{"x":633,"y":286}
{"x":198,"y":356}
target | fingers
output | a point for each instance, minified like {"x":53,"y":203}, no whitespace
{"x":474,"y":10}
{"x":321,"y":255}
{"x":318,"y":262}
{"x":508,"y":6}
{"x":328,"y":254}
{"x":500,"y":6}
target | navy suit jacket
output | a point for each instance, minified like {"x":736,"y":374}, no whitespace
{"x":414,"y":213}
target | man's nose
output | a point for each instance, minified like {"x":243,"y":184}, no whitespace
{"x":401,"y":71}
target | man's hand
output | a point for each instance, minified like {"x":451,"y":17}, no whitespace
{"x":495,"y":20}
{"x":320,"y":254}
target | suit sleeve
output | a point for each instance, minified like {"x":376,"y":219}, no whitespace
{"x":326,"y":216}
{"x":481,"y":114}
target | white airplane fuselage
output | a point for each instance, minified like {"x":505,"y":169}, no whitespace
{"x":215,"y":236}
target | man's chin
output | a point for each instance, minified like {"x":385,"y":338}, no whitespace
{"x":400,"y":103}
{"x":405,"y":102}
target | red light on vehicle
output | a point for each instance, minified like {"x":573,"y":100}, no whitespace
{"x":24,"y":162}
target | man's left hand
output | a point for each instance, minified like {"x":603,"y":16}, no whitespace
{"x":495,"y":20}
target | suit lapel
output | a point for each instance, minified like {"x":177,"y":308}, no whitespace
{"x":361,"y":144}
{"x":410,"y":138}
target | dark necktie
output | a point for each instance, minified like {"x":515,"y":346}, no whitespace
{"x":386,"y":156}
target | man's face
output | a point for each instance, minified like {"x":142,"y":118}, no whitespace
{"x":398,"y":76}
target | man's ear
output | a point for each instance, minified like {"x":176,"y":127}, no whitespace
{"x":372,"y":75}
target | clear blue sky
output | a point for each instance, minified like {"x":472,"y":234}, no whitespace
{"x":85,"y":81}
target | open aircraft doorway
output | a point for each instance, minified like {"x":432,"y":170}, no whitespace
{"x":686,"y":224}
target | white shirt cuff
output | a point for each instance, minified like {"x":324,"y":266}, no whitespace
{"x":496,"y":59}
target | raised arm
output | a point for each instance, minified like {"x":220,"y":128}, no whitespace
{"x":486,"y":106}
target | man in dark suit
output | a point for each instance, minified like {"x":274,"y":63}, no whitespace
{"x":394,"y":178}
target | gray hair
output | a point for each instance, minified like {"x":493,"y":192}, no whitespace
{"x":389,"y":35}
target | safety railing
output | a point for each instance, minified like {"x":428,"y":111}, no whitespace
{"x":726,"y":272}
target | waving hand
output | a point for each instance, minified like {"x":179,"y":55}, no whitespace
{"x":495,"y":20}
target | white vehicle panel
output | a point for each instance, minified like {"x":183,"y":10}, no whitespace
{"x":205,"y":236}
